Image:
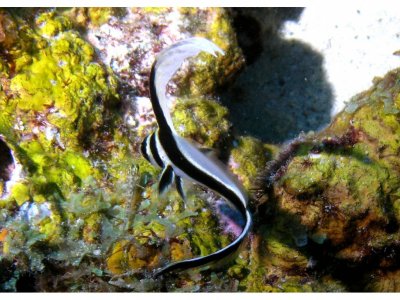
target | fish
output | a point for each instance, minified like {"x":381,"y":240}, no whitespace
{"x":179,"y":158}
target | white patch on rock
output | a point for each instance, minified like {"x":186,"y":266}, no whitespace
{"x":31,"y":212}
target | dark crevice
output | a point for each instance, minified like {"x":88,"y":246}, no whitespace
{"x":6,"y":161}
{"x":26,"y":283}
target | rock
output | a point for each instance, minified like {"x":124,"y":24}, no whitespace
{"x":339,"y":187}
{"x":79,"y":209}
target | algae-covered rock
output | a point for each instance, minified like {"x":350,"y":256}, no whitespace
{"x":129,"y":42}
{"x":336,"y":192}
{"x":79,"y":209}
{"x":247,"y":160}
{"x":202,"y":120}
{"x":58,"y":124}
{"x":210,"y":72}
{"x":91,"y":17}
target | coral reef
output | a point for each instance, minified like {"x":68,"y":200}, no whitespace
{"x":79,"y":209}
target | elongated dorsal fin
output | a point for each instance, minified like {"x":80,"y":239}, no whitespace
{"x":169,"y":61}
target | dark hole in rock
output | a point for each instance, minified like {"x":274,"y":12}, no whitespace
{"x":6,"y":161}
{"x":26,"y":283}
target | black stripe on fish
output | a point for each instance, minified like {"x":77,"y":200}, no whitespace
{"x":143,"y":149}
{"x":168,"y":148}
{"x":166,"y":179}
{"x":154,"y":150}
{"x":169,"y":145}
{"x":219,"y":255}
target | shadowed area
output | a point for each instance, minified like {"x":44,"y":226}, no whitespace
{"x":283,"y":90}
{"x":6,"y":161}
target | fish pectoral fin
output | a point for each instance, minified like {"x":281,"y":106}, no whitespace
{"x":166,"y":179}
{"x":179,"y":187}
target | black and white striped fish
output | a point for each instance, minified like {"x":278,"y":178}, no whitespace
{"x":179,"y":158}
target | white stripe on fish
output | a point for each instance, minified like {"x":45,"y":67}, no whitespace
{"x":179,"y":158}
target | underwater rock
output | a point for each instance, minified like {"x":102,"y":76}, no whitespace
{"x":58,"y":125}
{"x":247,"y":160}
{"x":129,"y":42}
{"x":79,"y":209}
{"x":202,"y":120}
{"x":82,"y":208}
{"x":383,"y":281}
{"x":339,"y":189}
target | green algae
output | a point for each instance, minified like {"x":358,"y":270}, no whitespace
{"x":202,"y":120}
{"x":57,"y":93}
{"x":209,"y":72}
{"x":341,"y":187}
{"x":248,"y":159}
{"x":155,"y":10}
{"x":275,"y":265}
{"x":308,"y":176}
{"x":100,"y":15}
{"x":20,"y":193}
{"x":49,"y":24}
{"x":61,"y":76}
{"x":92,"y":17}
{"x":101,"y":218}
{"x":151,"y":232}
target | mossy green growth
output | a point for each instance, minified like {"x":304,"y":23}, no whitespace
{"x":59,"y":92}
{"x":20,"y":193}
{"x":209,"y":72}
{"x":155,"y":10}
{"x":341,"y":186}
{"x":202,"y":120}
{"x":65,"y":77}
{"x":84,"y":190}
{"x":202,"y":241}
{"x":89,"y":17}
{"x":248,"y":159}
{"x":91,"y":230}
{"x":57,"y":115}
{"x":49,"y":24}
{"x":191,"y":232}
{"x":308,"y":175}
{"x":275,"y":265}
{"x":335,"y":182}
{"x":100,"y":15}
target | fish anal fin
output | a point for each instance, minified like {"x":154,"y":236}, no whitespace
{"x":166,"y":179}
{"x":179,"y":187}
